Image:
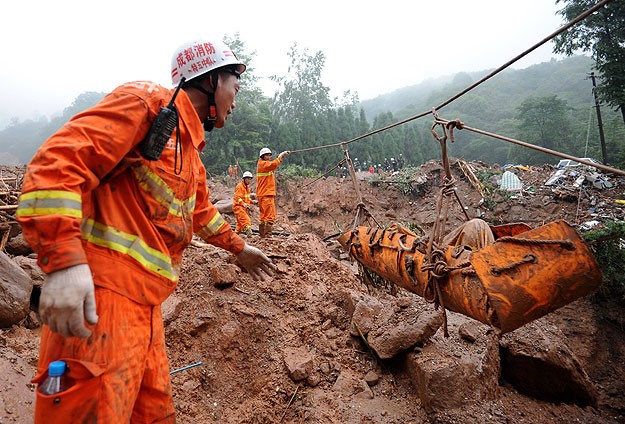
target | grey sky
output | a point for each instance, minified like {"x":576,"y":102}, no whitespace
{"x":55,"y":50}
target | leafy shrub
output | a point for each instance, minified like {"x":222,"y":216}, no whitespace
{"x":298,"y":172}
{"x":608,"y":247}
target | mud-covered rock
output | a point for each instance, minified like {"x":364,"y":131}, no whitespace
{"x":404,"y":330}
{"x":538,"y":362}
{"x":15,"y":289}
{"x":450,"y":373}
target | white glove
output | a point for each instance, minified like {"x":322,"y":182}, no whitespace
{"x":256,"y":262}
{"x":283,"y":154}
{"x":67,"y":299}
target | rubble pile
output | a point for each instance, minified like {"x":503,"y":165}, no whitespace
{"x":316,"y":344}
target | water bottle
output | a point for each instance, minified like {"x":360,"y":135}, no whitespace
{"x":56,"y":381}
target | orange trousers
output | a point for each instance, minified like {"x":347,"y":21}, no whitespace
{"x":243,"y":219}
{"x":120,"y":373}
{"x":267,"y":208}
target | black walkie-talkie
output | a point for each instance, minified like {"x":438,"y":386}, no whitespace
{"x":161,"y":130}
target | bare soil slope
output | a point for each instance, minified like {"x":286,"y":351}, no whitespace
{"x":247,"y":334}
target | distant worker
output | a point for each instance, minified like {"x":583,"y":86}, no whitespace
{"x":241,"y":203}
{"x":266,"y":189}
{"x":109,"y":209}
{"x":230,"y":171}
{"x":400,"y":161}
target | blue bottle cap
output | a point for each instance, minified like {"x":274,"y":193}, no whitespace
{"x":56,"y":368}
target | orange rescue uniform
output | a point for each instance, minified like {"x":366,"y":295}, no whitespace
{"x":266,"y":189}
{"x":242,"y":197}
{"x":90,"y":197}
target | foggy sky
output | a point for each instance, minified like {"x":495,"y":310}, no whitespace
{"x":54,"y":51}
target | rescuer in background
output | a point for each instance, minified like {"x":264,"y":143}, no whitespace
{"x":266,"y":189}
{"x":241,"y":203}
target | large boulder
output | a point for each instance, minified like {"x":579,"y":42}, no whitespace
{"x":458,"y":371}
{"x":407,"y":328}
{"x":538,"y":362}
{"x":15,"y":289}
{"x":17,"y":246}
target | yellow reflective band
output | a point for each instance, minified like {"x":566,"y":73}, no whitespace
{"x":162,"y":193}
{"x":264,"y":174}
{"x":131,"y":245}
{"x":50,"y":202}
{"x":213,"y":226}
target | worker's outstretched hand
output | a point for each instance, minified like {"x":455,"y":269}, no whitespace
{"x":256,"y":262}
{"x":283,"y":154}
{"x":67,"y":300}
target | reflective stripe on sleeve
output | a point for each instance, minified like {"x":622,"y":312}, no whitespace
{"x":131,"y":245}
{"x":213,"y":226}
{"x":50,"y":202}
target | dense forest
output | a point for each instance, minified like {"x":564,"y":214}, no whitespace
{"x":549,"y":104}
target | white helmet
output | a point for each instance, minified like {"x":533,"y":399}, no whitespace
{"x":247,"y":174}
{"x":201,"y":56}
{"x":264,"y":151}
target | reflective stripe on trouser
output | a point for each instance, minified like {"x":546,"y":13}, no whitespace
{"x":128,"y":345}
{"x":267,"y":208}
{"x":243,"y":219}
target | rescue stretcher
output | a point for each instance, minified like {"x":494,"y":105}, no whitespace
{"x":525,"y":274}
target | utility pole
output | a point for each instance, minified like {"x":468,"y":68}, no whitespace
{"x":604,"y":152}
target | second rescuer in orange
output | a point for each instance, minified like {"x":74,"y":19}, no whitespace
{"x":241,"y":203}
{"x":266,"y":189}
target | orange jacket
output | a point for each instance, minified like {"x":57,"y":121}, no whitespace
{"x":265,"y":183}
{"x":90,"y":197}
{"x":241,"y":195}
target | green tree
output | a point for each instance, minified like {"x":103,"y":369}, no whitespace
{"x":302,"y":109}
{"x":603,"y":34}
{"x":543,"y":121}
{"x":303,"y":96}
{"x":249,"y":125}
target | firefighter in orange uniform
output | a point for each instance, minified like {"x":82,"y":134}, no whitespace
{"x":109,"y":217}
{"x":266,"y":189}
{"x":241,"y":203}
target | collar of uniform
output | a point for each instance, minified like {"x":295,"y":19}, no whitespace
{"x":190,"y":120}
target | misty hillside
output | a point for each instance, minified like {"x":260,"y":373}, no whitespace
{"x":494,"y":106}
{"x":566,"y":78}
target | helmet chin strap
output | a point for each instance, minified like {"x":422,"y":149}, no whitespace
{"x":209,"y":122}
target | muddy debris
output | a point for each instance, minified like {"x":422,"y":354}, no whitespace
{"x":316,"y":344}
